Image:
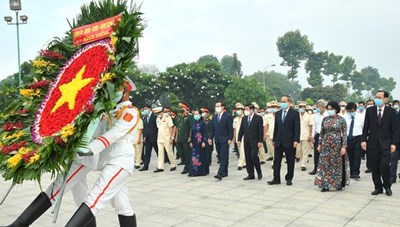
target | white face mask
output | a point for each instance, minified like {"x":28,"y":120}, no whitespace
{"x":119,"y":95}
{"x":239,"y":112}
{"x":204,"y":115}
{"x":218,"y":110}
{"x":246,"y":112}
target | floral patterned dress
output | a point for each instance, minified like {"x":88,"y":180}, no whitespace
{"x":199,"y":165}
{"x":333,"y":170}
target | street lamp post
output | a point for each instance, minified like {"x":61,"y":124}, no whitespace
{"x":16,"y":6}
{"x":264,"y":73}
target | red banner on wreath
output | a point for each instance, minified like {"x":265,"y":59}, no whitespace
{"x":96,"y":31}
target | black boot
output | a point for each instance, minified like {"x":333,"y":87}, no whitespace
{"x":82,"y":217}
{"x":127,"y":221}
{"x":33,"y":211}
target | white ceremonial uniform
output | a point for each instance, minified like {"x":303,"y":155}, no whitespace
{"x":164,"y":125}
{"x":138,"y":142}
{"x":304,"y":147}
{"x":270,"y":122}
{"x":116,"y":160}
{"x":236,"y":125}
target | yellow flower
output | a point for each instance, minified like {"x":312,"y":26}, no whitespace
{"x":67,"y":131}
{"x":24,"y":150}
{"x":114,"y":40}
{"x":107,"y":77}
{"x":42,"y":64}
{"x":30,"y":92}
{"x":17,"y":135}
{"x":14,"y":160}
{"x":34,"y":158}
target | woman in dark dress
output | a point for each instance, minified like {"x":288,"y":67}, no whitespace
{"x":199,"y":166}
{"x":333,"y":167}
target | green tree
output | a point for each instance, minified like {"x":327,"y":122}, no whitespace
{"x":231,"y":65}
{"x":371,"y":78}
{"x":333,"y":67}
{"x":245,"y":90}
{"x":387,"y":84}
{"x":293,"y":48}
{"x":336,"y":92}
{"x":357,"y":82}
{"x":314,"y":66}
{"x":309,"y":101}
{"x":208,"y":59}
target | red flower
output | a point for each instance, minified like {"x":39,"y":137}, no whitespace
{"x":13,"y":147}
{"x":10,"y":126}
{"x":27,"y":157}
{"x":58,"y":140}
{"x":89,"y":109}
{"x":50,"y":54}
{"x":39,"y":84}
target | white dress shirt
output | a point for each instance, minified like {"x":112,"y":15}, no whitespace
{"x":358,"y":124}
{"x":318,"y":122}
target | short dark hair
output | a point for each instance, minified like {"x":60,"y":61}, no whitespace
{"x":198,"y":110}
{"x":288,"y":97}
{"x":361,"y":102}
{"x":147,"y":106}
{"x":334,"y":105}
{"x":351,"y":106}
{"x":370,"y":100}
{"x":222,"y":104}
{"x":385,"y":93}
{"x":250,"y":105}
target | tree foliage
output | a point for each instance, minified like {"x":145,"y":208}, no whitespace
{"x":336,"y":92}
{"x":231,"y":65}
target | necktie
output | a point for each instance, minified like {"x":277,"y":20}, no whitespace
{"x":248,"y":121}
{"x":351,"y":128}
{"x":283,"y":117}
{"x":219,"y":117}
{"x":380,"y":117}
{"x":148,"y":118}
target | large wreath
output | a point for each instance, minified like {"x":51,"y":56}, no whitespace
{"x":43,"y":127}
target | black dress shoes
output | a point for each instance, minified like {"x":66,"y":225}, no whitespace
{"x":259,"y":176}
{"x":368,"y":171}
{"x":388,"y":191}
{"x":272,"y":182}
{"x":312,"y":172}
{"x":377,"y":191}
{"x":181,"y":163}
{"x":143,"y":169}
{"x":240,"y":168}
{"x":270,"y":159}
{"x":185,"y":172}
{"x":303,"y":168}
{"x":137,"y":167}
{"x":324,"y":190}
{"x":289,"y":182}
{"x":158,"y":170}
{"x":262,"y":162}
{"x":219,"y":177}
{"x":224,"y":175}
{"x":172,"y":169}
{"x":249,"y":178}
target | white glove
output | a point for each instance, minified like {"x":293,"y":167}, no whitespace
{"x":83,"y":151}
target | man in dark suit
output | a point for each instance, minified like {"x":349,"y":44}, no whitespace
{"x":150,"y":134}
{"x":380,"y":132}
{"x":285,"y":140}
{"x":252,"y":129}
{"x":222,"y":133}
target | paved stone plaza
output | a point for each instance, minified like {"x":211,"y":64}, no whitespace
{"x":170,"y":199}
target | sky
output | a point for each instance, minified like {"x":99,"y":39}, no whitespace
{"x":183,"y":30}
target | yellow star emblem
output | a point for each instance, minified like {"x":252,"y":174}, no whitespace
{"x":70,"y":90}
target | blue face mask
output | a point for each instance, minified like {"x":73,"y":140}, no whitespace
{"x":145,"y":112}
{"x":378,"y":102}
{"x":331,"y":112}
{"x":301,"y":110}
{"x":196,"y":117}
{"x":361,"y":108}
{"x":284,"y":105}
{"x":396,"y":107}
{"x":318,"y":110}
{"x":274,"y":110}
{"x":352,"y":114}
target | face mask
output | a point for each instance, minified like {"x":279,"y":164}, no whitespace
{"x":118,"y":97}
{"x":246,"y":112}
{"x":218,"y":110}
{"x":331,"y":112}
{"x":318,"y":110}
{"x":274,"y":110}
{"x":159,"y":116}
{"x":145,"y":112}
{"x":196,"y":117}
{"x":262,"y":113}
{"x":310,"y":112}
{"x":396,"y":107}
{"x":204,"y":115}
{"x":352,"y":114}
{"x":314,"y":111}
{"x":301,"y":110}
{"x":284,"y":105}
{"x":378,"y":102}
{"x":269,"y":111}
{"x":361,"y":108}
{"x":239,"y":112}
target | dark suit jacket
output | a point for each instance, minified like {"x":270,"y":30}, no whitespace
{"x":384,"y":135}
{"x":150,"y":130}
{"x":254,"y":133}
{"x":222,"y":131}
{"x":288,"y":132}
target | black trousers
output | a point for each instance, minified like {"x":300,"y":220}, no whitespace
{"x":290,"y":154}
{"x":354,"y":153}
{"x":316,"y":153}
{"x":380,"y":166}
{"x":252,"y":159}
{"x":185,"y":153}
{"x":210,"y":149}
{"x":223,"y":152}
{"x":149,"y":144}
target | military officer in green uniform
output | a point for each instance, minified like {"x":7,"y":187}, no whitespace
{"x":183,"y":125}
